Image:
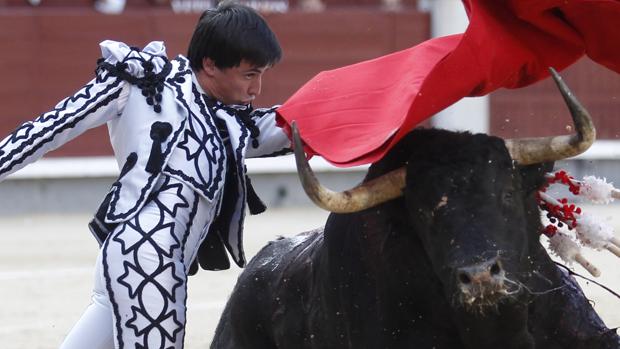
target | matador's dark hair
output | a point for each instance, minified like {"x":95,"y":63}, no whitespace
{"x":231,"y":33}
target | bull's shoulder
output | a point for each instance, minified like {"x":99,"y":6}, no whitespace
{"x":280,"y":264}
{"x":283,"y":251}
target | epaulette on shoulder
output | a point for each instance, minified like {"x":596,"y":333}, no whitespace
{"x":150,"y":82}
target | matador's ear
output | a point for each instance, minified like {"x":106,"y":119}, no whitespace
{"x":208,"y":65}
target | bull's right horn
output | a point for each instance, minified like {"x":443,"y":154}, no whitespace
{"x":365,"y":195}
{"x":527,"y":151}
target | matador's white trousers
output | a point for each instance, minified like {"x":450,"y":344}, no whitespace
{"x":141,"y":274}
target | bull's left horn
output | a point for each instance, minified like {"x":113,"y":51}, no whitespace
{"x":365,"y":195}
{"x":528,"y":151}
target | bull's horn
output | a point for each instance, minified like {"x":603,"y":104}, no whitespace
{"x":365,"y":195}
{"x":528,"y":151}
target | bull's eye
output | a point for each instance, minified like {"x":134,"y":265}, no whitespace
{"x":507,"y":197}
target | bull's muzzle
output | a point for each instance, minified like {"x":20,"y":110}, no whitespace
{"x":481,"y":285}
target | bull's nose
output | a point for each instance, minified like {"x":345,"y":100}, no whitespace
{"x":482,"y":274}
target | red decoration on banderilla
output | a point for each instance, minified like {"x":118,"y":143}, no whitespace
{"x":588,"y":230}
{"x":559,"y":212}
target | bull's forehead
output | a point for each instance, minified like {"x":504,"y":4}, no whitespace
{"x":468,"y":195}
{"x":458,"y":178}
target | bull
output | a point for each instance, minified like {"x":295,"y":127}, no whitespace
{"x":439,"y":247}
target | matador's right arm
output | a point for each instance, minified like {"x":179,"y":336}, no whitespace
{"x":101,"y":100}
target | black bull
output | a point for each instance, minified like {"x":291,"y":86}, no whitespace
{"x":456,"y":262}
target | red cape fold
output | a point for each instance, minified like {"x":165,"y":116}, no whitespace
{"x":355,"y":114}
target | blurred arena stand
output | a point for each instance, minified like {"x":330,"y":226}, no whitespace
{"x":49,"y":51}
{"x":198,"y":5}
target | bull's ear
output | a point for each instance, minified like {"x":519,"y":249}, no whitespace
{"x":533,"y":176}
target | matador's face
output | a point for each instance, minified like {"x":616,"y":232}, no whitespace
{"x":235,"y":85}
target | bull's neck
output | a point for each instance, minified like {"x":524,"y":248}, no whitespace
{"x":372,"y":241}
{"x":376,"y":251}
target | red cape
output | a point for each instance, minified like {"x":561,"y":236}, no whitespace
{"x":355,"y":114}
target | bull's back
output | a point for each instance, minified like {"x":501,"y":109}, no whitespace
{"x":255,"y":307}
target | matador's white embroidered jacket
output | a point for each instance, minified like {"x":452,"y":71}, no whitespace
{"x":146,"y":101}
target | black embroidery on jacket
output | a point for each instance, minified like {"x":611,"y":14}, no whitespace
{"x":201,"y":141}
{"x":22,"y":132}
